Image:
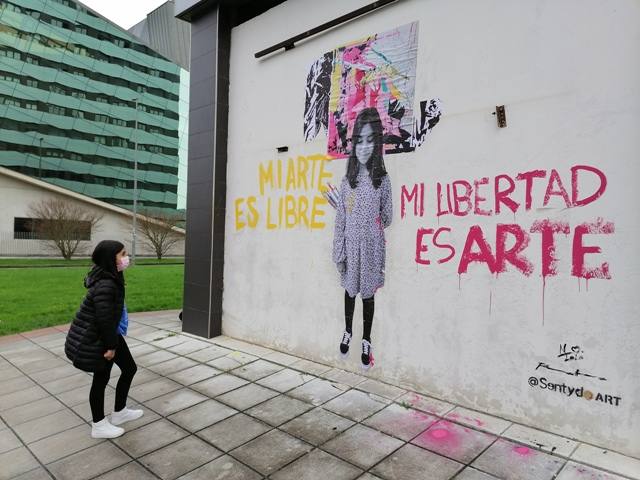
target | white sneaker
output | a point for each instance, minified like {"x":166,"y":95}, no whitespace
{"x":103,"y":429}
{"x":125,"y":415}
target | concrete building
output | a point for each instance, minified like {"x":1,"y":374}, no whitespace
{"x":171,"y":37}
{"x":73,"y":89}
{"x":510,"y":139}
{"x":22,"y":191}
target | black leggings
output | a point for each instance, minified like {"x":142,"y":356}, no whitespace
{"x":368,"y":305}
{"x":125,"y":362}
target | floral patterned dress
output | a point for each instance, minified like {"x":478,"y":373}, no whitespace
{"x":361,"y":217}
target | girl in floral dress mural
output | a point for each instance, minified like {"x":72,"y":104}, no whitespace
{"x":364,"y":209}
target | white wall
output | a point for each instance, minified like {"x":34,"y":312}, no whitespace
{"x":568,"y":74}
{"x":18,"y":195}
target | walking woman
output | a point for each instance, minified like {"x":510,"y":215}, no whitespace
{"x":96,"y":337}
{"x":363,"y":211}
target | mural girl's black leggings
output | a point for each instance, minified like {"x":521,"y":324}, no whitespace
{"x":125,"y":362}
{"x":368,"y":305}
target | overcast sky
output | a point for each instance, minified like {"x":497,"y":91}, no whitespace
{"x":125,"y":13}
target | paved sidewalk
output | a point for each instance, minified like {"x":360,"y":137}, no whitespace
{"x":226,"y":409}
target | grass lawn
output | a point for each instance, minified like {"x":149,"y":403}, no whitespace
{"x":32,"y":298}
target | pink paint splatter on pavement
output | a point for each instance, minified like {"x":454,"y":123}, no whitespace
{"x":439,"y":433}
{"x":523,"y":451}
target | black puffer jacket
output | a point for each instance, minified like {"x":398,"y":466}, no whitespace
{"x":94,"y":328}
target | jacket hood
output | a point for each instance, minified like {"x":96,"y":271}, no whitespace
{"x":95,"y":274}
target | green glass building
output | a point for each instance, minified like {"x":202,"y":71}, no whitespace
{"x":73,"y":88}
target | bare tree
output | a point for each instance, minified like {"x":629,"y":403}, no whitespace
{"x":63,"y":226}
{"x":160,"y":230}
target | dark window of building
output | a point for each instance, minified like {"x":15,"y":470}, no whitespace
{"x":43,"y":229}
{"x":39,"y":229}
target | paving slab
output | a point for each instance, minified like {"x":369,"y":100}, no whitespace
{"x":308,"y":366}
{"x":54,"y":373}
{"x":285,"y":380}
{"x":256,"y":370}
{"x":16,"y":462}
{"x":281,"y":358}
{"x":129,"y":471}
{"x":247,"y":396}
{"x":480,"y":421}
{"x":16,"y":384}
{"x":48,"y":425}
{"x":425,"y":404}
{"x":279,"y":410}
{"x":32,"y":410}
{"x":89,"y":463}
{"x":173,"y":366}
{"x":8,"y":440}
{"x":190,"y":346}
{"x":317,"y":426}
{"x":472,"y":474}
{"x":37,"y":474}
{"x":271,"y":451}
{"x":65,"y":443}
{"x":362,"y":446}
{"x":513,"y":461}
{"x":607,"y":460}
{"x":574,"y":471}
{"x":153,"y":389}
{"x":41,"y":365}
{"x":223,"y":468}
{"x":344,"y":377}
{"x":22,"y":397}
{"x":150,"y":437}
{"x":175,"y":401}
{"x":202,"y":415}
{"x":155,"y":357}
{"x":411,"y":462}
{"x":233,"y":432}
{"x":65,"y":384}
{"x":179,"y":457}
{"x":140,"y":350}
{"x":218,"y":385}
{"x":400,"y":422}
{"x":209,"y":353}
{"x":318,"y":465}
{"x":544,"y":441}
{"x":381,"y":389}
{"x":318,"y":391}
{"x":455,"y":441}
{"x":356,"y":405}
{"x":194,"y":374}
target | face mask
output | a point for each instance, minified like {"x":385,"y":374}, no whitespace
{"x":123,"y":264}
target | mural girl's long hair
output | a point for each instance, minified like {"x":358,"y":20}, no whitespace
{"x":375,"y":165}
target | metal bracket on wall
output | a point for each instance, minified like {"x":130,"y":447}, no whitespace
{"x":291,"y":42}
{"x":501,"y":116}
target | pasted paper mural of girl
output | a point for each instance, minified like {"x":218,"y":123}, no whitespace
{"x":363,"y":210}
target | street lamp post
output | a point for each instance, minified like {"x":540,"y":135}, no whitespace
{"x":135,"y":185}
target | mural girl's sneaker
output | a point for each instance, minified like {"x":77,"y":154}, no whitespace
{"x":103,"y":429}
{"x":367,"y":355}
{"x":125,"y":415}
{"x":344,"y":344}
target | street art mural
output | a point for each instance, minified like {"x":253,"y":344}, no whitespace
{"x":500,"y":259}
{"x":290,"y":195}
{"x":377,"y":72}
